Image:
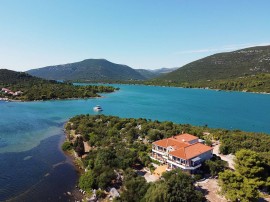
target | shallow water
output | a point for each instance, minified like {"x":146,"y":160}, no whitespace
{"x":30,"y":132}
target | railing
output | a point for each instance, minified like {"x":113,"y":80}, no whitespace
{"x":157,"y":159}
{"x":183,"y":166}
{"x":159,"y":152}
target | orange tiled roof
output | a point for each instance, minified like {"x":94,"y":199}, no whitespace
{"x":178,"y":141}
{"x":185,"y":137}
{"x":191,"y":151}
{"x":176,"y":144}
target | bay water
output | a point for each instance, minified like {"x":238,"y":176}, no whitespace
{"x":33,"y":167}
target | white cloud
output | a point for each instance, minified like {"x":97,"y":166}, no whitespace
{"x":229,"y":47}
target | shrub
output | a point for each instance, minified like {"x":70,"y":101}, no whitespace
{"x":67,"y":146}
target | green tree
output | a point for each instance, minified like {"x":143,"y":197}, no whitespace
{"x":157,"y":192}
{"x":181,"y":189}
{"x":79,"y":146}
{"x":215,"y":165}
{"x":105,"y":178}
{"x":87,"y":181}
{"x":238,"y":188}
{"x":249,"y":164}
{"x":135,"y":189}
{"x":66,"y":146}
{"x":243,"y":184}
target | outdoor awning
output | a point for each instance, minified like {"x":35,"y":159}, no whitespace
{"x":196,"y":159}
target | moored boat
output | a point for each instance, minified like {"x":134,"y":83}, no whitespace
{"x":98,"y":108}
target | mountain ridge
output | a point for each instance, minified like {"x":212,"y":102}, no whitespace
{"x":88,"y":70}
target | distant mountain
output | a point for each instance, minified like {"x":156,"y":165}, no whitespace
{"x":149,"y":74}
{"x":164,"y":70}
{"x":249,"y":61}
{"x":88,"y":70}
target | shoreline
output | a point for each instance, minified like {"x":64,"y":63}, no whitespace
{"x":75,"y":194}
{"x":201,"y":88}
{"x":58,"y":99}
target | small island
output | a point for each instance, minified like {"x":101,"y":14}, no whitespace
{"x":21,"y":86}
{"x":115,"y":157}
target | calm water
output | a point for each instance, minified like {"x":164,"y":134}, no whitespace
{"x":33,"y":168}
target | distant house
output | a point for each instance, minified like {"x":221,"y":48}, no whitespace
{"x":6,"y":90}
{"x":9,"y":92}
{"x":182,"y":151}
{"x":18,"y":93}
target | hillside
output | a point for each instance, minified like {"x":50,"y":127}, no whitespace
{"x":88,"y":70}
{"x":249,"y":61}
{"x":150,"y":74}
{"x":22,"y":86}
{"x":13,"y":77}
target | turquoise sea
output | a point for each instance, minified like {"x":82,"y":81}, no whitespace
{"x":32,"y":166}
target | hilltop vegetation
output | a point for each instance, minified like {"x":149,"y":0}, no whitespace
{"x":96,"y":70}
{"x":39,"y":89}
{"x":88,"y":70}
{"x":242,"y":70}
{"x":249,"y":61}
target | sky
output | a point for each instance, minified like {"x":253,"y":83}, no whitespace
{"x":146,"y":34}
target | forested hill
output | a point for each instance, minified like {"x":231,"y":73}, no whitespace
{"x":13,"y":77}
{"x":88,"y":70}
{"x":33,"y":88}
{"x":249,"y":61}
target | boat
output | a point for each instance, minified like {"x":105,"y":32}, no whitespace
{"x":98,"y":108}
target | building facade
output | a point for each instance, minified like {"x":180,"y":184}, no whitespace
{"x":182,"y":151}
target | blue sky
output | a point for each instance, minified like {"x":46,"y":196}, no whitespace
{"x":146,"y":34}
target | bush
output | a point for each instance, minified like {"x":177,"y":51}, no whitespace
{"x":100,"y":194}
{"x":67,"y":146}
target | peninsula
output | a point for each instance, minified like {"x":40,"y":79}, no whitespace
{"x":24,"y":87}
{"x":129,"y":159}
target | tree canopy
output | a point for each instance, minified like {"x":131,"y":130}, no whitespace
{"x":249,"y":175}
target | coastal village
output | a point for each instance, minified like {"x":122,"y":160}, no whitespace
{"x":5,"y":92}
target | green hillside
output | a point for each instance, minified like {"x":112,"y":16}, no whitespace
{"x":249,"y":61}
{"x":12,"y":77}
{"x":33,"y":88}
{"x":88,"y":70}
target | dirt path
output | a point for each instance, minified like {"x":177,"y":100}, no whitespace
{"x":229,"y":158}
{"x":210,"y":188}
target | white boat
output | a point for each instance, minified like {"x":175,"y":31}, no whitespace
{"x":98,"y":108}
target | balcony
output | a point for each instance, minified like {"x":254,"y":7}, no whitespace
{"x":156,"y":157}
{"x":183,"y":166}
{"x":159,"y":152}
